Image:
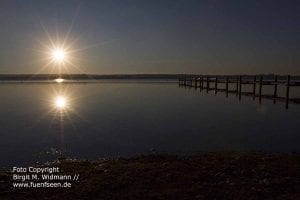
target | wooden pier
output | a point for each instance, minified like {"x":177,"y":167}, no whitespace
{"x":209,"y":82}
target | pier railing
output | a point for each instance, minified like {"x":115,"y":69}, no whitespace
{"x":209,"y":82}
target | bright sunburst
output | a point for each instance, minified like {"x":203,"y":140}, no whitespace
{"x":60,"y":52}
{"x":59,"y":56}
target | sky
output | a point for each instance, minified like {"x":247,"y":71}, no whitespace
{"x":154,"y":36}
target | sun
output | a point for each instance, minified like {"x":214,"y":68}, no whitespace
{"x":58,"y":55}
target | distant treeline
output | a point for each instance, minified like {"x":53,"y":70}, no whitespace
{"x":28,"y":77}
{"x":33,"y":77}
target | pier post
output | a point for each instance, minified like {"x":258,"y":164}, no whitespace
{"x":226,"y":86}
{"x":196,"y":82}
{"x":200,"y":83}
{"x":187,"y":81}
{"x":216,"y":85}
{"x":254,"y":88}
{"x":200,"y":77}
{"x":184,"y":80}
{"x":260,"y":87}
{"x":207,"y":84}
{"x":240,"y":87}
{"x":275,"y":89}
{"x":287,"y":92}
{"x":237,"y":86}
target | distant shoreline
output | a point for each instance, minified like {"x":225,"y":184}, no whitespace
{"x":45,"y":77}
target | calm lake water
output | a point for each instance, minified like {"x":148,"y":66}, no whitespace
{"x":40,"y":120}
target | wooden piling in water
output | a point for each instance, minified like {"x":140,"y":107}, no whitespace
{"x":237,"y":86}
{"x":226,"y":86}
{"x":196,"y":82}
{"x":287,"y":92}
{"x":254,"y":88}
{"x":216,"y":85}
{"x":260,"y":87}
{"x":207,"y":84}
{"x":200,"y":83}
{"x":240,"y":87}
{"x":275,"y":89}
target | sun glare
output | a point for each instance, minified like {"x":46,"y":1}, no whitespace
{"x":59,"y":55}
{"x":59,"y":80}
{"x":60,"y":102}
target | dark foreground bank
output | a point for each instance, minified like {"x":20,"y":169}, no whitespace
{"x":202,"y":176}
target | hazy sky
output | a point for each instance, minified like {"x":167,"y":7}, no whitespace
{"x":154,"y":36}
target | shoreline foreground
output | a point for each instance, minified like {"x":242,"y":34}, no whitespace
{"x":218,"y":175}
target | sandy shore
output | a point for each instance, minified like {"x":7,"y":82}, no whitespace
{"x":229,"y":175}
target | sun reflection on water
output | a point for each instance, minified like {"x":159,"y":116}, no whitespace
{"x":60,"y":102}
